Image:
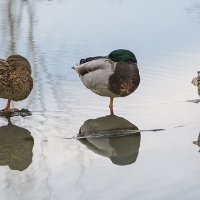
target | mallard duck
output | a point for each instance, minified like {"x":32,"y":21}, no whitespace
{"x":115,"y":75}
{"x":16,"y":82}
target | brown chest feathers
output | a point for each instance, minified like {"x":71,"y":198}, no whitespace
{"x":125,"y":79}
{"x":15,"y":85}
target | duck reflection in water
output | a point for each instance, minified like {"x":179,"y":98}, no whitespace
{"x":123,"y":149}
{"x":197,"y":142}
{"x":16,"y":146}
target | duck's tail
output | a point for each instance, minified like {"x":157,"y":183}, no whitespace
{"x":74,"y":66}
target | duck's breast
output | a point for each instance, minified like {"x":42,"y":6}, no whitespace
{"x":22,"y":84}
{"x":17,"y":86}
{"x":125,"y":78}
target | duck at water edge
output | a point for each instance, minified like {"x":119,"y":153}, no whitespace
{"x":115,"y":75}
{"x":16,"y":82}
{"x":196,"y":82}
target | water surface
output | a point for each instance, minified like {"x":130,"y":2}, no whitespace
{"x":55,"y":35}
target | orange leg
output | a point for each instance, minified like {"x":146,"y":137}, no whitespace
{"x":8,"y":109}
{"x":111,"y":106}
{"x":7,"y":105}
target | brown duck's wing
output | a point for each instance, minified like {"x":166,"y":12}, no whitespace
{"x":4,"y":66}
{"x":5,"y":72}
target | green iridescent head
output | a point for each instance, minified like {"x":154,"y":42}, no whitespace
{"x":122,"y":55}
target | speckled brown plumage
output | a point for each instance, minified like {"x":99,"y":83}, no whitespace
{"x":16,"y":82}
{"x":196,"y":82}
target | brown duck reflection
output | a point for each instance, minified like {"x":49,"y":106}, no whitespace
{"x":121,"y":150}
{"x":16,"y":146}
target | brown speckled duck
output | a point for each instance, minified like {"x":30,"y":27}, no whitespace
{"x":196,"y":82}
{"x":115,"y":75}
{"x":16,"y":82}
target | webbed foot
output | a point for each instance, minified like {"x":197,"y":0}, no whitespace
{"x":10,"y":110}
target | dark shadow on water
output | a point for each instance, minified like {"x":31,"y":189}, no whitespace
{"x":194,"y":101}
{"x":23,"y":113}
{"x":123,"y":149}
{"x":16,"y":146}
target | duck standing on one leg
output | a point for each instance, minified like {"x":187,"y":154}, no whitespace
{"x":16,"y":82}
{"x":115,"y":75}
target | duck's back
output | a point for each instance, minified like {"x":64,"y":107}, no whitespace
{"x":5,"y":72}
{"x":95,"y":75}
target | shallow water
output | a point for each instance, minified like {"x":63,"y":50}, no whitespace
{"x":38,"y":162}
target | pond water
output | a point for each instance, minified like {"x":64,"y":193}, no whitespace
{"x":39,"y":156}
